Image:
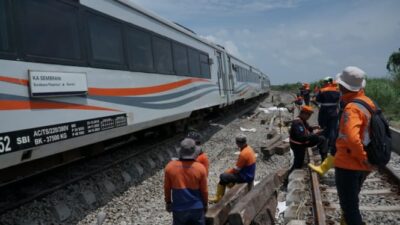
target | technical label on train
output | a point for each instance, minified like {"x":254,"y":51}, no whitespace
{"x":50,"y":84}
{"x":23,"y":139}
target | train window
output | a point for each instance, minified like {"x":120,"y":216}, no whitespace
{"x":139,"y":50}
{"x":162,"y":55}
{"x":194,"y":62}
{"x":181,"y":60}
{"x":204,"y":66}
{"x":51,"y":39}
{"x":5,"y":41}
{"x":106,"y":45}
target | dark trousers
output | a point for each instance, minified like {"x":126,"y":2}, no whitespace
{"x":299,"y":151}
{"x":329,"y":123}
{"x":307,"y":99}
{"x":189,"y":217}
{"x":227,"y":178}
{"x":348,"y":184}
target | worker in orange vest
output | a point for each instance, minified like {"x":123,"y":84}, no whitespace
{"x":305,"y":93}
{"x":351,"y":162}
{"x":202,"y":158}
{"x":185,"y":186}
{"x":243,"y":172}
{"x":328,"y":99}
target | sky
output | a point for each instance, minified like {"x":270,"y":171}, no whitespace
{"x":294,"y":40}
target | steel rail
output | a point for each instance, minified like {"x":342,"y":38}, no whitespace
{"x":318,"y":208}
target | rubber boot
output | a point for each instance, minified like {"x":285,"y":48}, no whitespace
{"x":219,"y":195}
{"x":325,"y":165}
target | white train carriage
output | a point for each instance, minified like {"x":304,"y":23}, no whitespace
{"x":73,"y":73}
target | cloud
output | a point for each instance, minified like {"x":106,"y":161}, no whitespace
{"x":294,"y":40}
{"x":229,"y":45}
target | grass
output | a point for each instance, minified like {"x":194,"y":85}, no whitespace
{"x":286,"y":87}
{"x":387,"y":94}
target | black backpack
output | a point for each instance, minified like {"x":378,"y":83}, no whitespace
{"x":380,"y":147}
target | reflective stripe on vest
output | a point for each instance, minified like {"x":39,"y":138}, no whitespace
{"x":366,"y":138}
{"x":329,"y":104}
{"x":299,"y":143}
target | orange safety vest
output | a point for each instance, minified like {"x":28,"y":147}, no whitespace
{"x":203,"y":159}
{"x":353,"y":133}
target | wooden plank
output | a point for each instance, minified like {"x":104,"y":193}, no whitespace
{"x":251,"y":204}
{"x":268,"y":150}
{"x":282,"y":148}
{"x":267,"y":214}
{"x":218,"y":213}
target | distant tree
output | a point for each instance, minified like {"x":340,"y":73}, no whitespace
{"x":393,"y":64}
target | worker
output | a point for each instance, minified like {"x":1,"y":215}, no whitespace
{"x":185,"y":186}
{"x":302,"y":136}
{"x":316,"y":90}
{"x":305,"y":93}
{"x":351,"y":163}
{"x":202,"y":158}
{"x":298,"y":101}
{"x":328,"y":99}
{"x":243,"y":172}
{"x":315,"y":93}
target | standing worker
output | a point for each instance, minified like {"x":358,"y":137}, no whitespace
{"x":298,"y":102}
{"x":302,"y":136}
{"x":202,"y":158}
{"x":351,"y":164}
{"x":328,"y":98}
{"x":244,"y":171}
{"x":305,"y":93}
{"x":186,"y":180}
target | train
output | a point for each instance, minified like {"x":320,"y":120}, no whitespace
{"x":78,"y":72}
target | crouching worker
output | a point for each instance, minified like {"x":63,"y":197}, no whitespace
{"x":244,"y":171}
{"x":302,"y":136}
{"x":186,"y":180}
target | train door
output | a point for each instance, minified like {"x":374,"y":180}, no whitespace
{"x":230,"y":78}
{"x":222,"y":77}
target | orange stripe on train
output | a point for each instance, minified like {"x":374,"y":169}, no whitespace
{"x":143,"y":90}
{"x":24,"y":105}
{"x":121,"y":91}
{"x":14,"y":80}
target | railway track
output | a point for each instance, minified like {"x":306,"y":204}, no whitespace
{"x":133,"y":163}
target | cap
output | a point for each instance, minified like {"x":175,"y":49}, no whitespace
{"x":352,"y":78}
{"x":195,"y":136}
{"x":188,"y":149}
{"x":241,"y":138}
{"x":307,"y":109}
{"x":328,"y":79}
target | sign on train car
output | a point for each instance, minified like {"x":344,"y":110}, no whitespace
{"x":50,"y":84}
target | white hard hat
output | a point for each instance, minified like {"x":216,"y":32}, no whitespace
{"x":352,"y":78}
